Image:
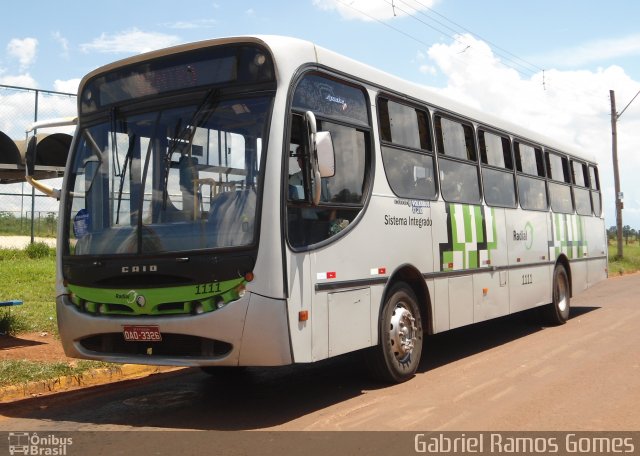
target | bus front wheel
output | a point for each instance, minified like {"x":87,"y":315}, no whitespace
{"x":396,"y":357}
{"x":557,"y":312}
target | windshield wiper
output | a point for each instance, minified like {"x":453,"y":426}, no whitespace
{"x":123,"y":172}
{"x":184,"y":137}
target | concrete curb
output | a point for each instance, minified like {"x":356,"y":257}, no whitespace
{"x":89,"y":378}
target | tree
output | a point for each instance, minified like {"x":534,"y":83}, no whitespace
{"x":626,"y":232}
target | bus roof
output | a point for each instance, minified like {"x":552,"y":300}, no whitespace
{"x":290,"y":53}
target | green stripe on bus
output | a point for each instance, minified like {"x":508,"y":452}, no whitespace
{"x":477,"y":212}
{"x":123,"y":301}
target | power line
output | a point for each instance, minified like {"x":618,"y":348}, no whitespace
{"x":348,"y":5}
{"x":431,"y":10}
{"x":533,"y":69}
{"x":522,"y":69}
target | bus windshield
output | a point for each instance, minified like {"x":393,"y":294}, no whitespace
{"x":179,"y":177}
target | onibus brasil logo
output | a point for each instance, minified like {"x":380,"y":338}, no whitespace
{"x":33,"y":444}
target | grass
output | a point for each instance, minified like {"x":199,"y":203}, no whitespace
{"x":629,"y":263}
{"x":44,"y":224}
{"x":28,"y":275}
{"x":20,"y":371}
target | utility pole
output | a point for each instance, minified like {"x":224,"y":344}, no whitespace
{"x":615,"y":116}
{"x":616,"y":174}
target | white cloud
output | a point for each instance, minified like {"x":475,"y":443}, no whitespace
{"x":428,"y":69}
{"x":594,"y":51}
{"x":24,"y":50}
{"x":63,"y":42}
{"x":129,"y":41}
{"x":69,"y":86}
{"x":20,"y":80}
{"x":367,"y":10}
{"x":572,"y":107}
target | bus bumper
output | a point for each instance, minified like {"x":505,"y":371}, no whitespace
{"x":252,"y":331}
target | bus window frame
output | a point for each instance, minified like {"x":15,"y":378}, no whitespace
{"x":441,"y":155}
{"x":370,"y":151}
{"x":403,"y":148}
{"x":485,"y":129}
{"x":577,"y":187}
{"x":539,"y":153}
{"x":566,"y":174}
{"x":595,"y":188}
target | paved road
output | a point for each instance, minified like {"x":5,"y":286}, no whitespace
{"x":508,"y":374}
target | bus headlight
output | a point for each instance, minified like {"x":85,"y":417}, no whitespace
{"x":198,"y":308}
{"x":241,"y":290}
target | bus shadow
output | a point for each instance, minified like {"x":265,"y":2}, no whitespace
{"x":450,"y":346}
{"x":259,"y":398}
{"x":7,"y":342}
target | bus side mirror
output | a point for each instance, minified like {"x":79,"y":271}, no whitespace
{"x":326,"y":154}
{"x":322,"y":155}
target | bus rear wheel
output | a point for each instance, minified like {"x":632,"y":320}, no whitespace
{"x":396,"y":357}
{"x":557,"y":313}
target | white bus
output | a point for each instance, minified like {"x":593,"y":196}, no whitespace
{"x":262,"y":201}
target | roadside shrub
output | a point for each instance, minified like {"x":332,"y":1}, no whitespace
{"x":11,"y":324}
{"x":38,"y":250}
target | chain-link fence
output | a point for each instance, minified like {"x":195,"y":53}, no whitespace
{"x":22,"y":210}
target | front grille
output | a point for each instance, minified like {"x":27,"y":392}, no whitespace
{"x":170,"y":345}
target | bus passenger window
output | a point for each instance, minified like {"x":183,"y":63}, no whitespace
{"x":459,"y":182}
{"x":499,"y":189}
{"x":458,"y":164}
{"x":529,"y":159}
{"x":594,"y":184}
{"x":410,"y":174}
{"x":532,"y":193}
{"x":559,"y":190}
{"x":455,"y":139}
{"x":581,"y":196}
{"x":497,"y":165}
{"x":404,"y":125}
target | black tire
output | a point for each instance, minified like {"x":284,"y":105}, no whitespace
{"x":396,"y":357}
{"x":557,"y":313}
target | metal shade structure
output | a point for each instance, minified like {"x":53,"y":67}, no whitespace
{"x":47,"y":160}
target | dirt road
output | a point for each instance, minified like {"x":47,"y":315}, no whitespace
{"x":508,"y":374}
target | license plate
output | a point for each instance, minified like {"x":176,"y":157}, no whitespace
{"x":141,"y":333}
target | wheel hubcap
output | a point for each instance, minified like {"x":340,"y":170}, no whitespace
{"x":562,"y":295}
{"x":402,"y":332}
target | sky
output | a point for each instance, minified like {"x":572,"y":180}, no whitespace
{"x":548,"y":65}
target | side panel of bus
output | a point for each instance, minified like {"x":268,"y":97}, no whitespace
{"x":529,"y":277}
